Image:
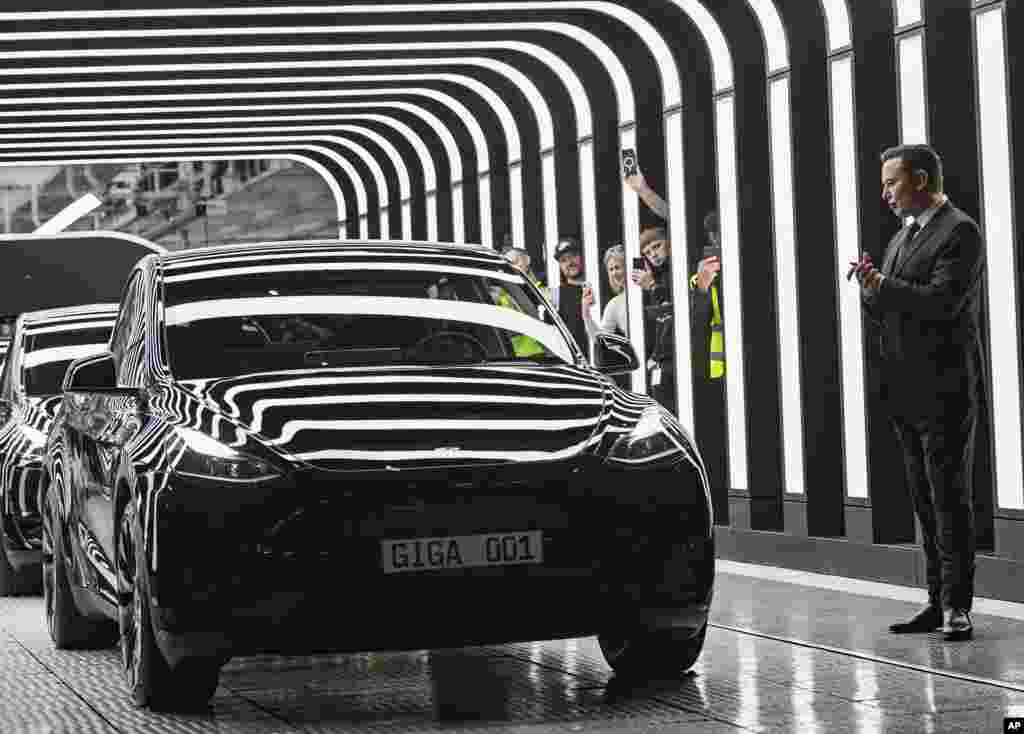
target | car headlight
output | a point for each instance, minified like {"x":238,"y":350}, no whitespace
{"x":648,"y":442}
{"x":207,"y":458}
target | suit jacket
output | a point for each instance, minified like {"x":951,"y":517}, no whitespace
{"x":927,"y":312}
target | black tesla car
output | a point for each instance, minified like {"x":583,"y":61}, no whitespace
{"x":334,"y":446}
{"x":42,"y":346}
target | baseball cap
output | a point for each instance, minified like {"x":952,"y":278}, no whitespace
{"x":567,"y":244}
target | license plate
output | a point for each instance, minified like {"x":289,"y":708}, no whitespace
{"x":461,"y":551}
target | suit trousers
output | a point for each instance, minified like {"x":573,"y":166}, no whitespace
{"x":938,"y":454}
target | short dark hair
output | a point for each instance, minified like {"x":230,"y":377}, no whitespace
{"x":652,"y":234}
{"x":711,"y":222}
{"x":918,"y":158}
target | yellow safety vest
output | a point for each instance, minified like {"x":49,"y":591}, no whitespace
{"x":522,"y":345}
{"x":716,"y":347}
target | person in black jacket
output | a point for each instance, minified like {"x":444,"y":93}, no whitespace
{"x":568,"y":296}
{"x":926,"y":301}
{"x":656,"y":281}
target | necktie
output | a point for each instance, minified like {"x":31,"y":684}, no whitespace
{"x":901,"y":253}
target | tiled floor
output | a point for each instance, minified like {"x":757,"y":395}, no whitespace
{"x":777,"y":659}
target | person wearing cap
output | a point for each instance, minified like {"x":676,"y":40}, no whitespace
{"x":567,"y":298}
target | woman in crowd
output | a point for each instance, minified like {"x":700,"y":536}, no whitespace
{"x":614,"y":317}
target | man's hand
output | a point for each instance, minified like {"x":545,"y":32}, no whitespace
{"x":644,"y":278}
{"x":707,"y":271}
{"x":637,"y":182}
{"x":872,"y":279}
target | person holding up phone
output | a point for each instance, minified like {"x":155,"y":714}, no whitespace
{"x":706,"y":300}
{"x":614,"y":318}
{"x":655,"y":278}
{"x":636,"y":181}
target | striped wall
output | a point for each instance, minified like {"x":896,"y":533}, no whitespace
{"x":509,"y":118}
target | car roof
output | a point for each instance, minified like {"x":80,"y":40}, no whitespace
{"x":336,"y":248}
{"x":32,"y":318}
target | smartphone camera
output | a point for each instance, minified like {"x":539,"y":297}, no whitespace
{"x":629,"y":164}
{"x":639,"y":263}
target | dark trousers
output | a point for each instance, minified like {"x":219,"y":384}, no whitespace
{"x":712,"y":440}
{"x":938,"y":454}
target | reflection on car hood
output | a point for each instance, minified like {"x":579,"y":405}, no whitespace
{"x":352,"y":419}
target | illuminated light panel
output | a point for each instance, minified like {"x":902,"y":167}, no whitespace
{"x":458,"y":214}
{"x":550,"y":202}
{"x":332,"y":184}
{"x":588,"y":211}
{"x":837,"y":21}
{"x":732,"y":316}
{"x":605,"y":55}
{"x":1000,"y":243}
{"x":406,"y":219}
{"x":432,"y":216}
{"x":774,"y":33}
{"x":515,"y":185}
{"x":844,"y":167}
{"x":631,"y":240}
{"x":913,"y":111}
{"x":907,"y":12}
{"x":480,"y":143}
{"x":786,"y":287}
{"x":677,"y":228}
{"x":486,"y":213}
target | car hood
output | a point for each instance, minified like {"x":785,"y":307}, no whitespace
{"x":404,"y":417}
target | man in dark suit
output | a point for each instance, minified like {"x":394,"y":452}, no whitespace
{"x":925,"y":301}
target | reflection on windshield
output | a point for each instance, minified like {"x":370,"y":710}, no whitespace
{"x":45,"y":379}
{"x":294,"y":321}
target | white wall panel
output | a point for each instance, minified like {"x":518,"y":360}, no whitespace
{"x":913,"y":111}
{"x":844,"y":166}
{"x":998,"y":223}
{"x":787,"y":286}
{"x":732,"y":313}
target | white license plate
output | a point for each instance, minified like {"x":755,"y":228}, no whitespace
{"x":461,"y":551}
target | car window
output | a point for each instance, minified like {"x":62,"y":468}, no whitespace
{"x":47,"y":354}
{"x":295,"y":320}
{"x":127,"y":340}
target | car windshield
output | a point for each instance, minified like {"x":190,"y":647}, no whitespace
{"x":247,"y":322}
{"x":49,"y":352}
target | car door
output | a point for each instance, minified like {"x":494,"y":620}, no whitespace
{"x":104,"y":423}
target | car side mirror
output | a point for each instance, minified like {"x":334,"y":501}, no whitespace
{"x":91,"y":374}
{"x":613,"y":354}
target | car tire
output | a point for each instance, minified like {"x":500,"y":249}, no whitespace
{"x":69,"y":628}
{"x":153,"y":684}
{"x":652,"y":653}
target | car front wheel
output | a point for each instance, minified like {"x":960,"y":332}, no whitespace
{"x":69,"y":628}
{"x":152,"y":682}
{"x":652,"y":653}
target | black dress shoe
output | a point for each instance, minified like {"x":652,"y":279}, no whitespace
{"x":928,"y":619}
{"x":956,"y":625}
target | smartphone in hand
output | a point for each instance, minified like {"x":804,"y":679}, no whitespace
{"x":630,"y":167}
